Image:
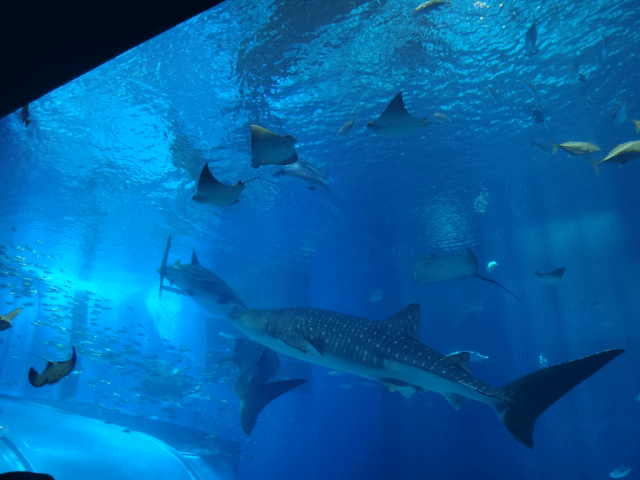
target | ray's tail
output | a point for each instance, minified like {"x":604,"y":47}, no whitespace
{"x":163,"y":267}
{"x":532,"y":394}
{"x":493,"y":281}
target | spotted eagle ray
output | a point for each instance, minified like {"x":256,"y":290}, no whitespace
{"x":395,"y":121}
{"x":257,"y":365}
{"x":552,"y":278}
{"x":198,"y":283}
{"x":390,"y":352}
{"x":5,"y":320}
{"x":210,"y":190}
{"x":53,"y":372}
{"x":436,"y":268}
{"x":268,"y":148}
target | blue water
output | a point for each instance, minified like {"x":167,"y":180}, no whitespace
{"x":107,"y":168}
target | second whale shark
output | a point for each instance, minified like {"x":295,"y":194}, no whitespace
{"x":200,"y":284}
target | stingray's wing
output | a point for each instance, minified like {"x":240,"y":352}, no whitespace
{"x":53,"y":372}
{"x":269,"y":148}
{"x":11,"y":315}
{"x":210,"y":190}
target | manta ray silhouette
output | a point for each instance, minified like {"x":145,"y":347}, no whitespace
{"x":53,"y":372}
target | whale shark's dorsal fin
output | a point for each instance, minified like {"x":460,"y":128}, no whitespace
{"x":194,"y":259}
{"x":405,"y":322}
{"x":461,"y":359}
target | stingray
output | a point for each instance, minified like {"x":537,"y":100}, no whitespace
{"x":268,"y":148}
{"x":53,"y":372}
{"x":211,"y":191}
{"x":436,"y":268}
{"x":5,"y":320}
{"x":552,"y":278}
{"x":395,"y":121}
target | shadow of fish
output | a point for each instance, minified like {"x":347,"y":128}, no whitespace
{"x":552,"y":278}
{"x":531,"y":38}
{"x":257,"y":365}
{"x":53,"y":372}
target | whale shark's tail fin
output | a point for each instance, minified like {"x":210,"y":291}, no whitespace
{"x":163,"y":267}
{"x":259,"y":397}
{"x":529,"y":396}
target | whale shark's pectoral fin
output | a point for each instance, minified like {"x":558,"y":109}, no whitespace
{"x":299,"y":342}
{"x":455,"y":400}
{"x":179,"y":291}
{"x":404,"y":388}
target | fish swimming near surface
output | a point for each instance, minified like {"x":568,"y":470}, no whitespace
{"x":575,"y":148}
{"x":390,"y":352}
{"x":436,"y":268}
{"x":604,"y":50}
{"x":24,"y":115}
{"x":395,"y":121}
{"x":543,"y":146}
{"x":21,"y":475}
{"x":623,"y":153}
{"x":620,"y":472}
{"x":620,"y":113}
{"x":210,"y":190}
{"x":552,"y":278}
{"x":198,"y":283}
{"x":257,"y":365}
{"x":268,"y":148}
{"x":347,"y":127}
{"x":533,"y":90}
{"x":430,"y":6}
{"x":494,"y":93}
{"x":304,"y":171}
{"x":5,"y":320}
{"x":473,"y":307}
{"x":441,"y":117}
{"x":531,"y":38}
{"x":53,"y":372}
{"x":538,"y":115}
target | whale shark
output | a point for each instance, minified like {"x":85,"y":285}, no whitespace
{"x":198,"y":283}
{"x":257,"y":365}
{"x":391,"y":352}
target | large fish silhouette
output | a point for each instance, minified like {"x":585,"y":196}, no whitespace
{"x":53,"y":372}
